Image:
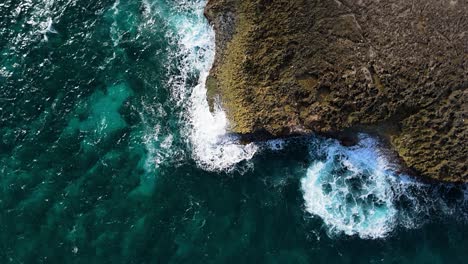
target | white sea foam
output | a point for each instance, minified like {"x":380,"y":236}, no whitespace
{"x":212,"y":148}
{"x":355,"y":192}
{"x":41,"y":17}
{"x":349,"y":190}
{"x":276,"y":144}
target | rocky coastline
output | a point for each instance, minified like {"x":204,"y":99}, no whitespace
{"x":397,"y":68}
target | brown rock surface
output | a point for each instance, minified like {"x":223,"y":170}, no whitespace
{"x":395,"y":67}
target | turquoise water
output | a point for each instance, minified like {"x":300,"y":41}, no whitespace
{"x":109,"y":154}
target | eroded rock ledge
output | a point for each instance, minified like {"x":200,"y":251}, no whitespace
{"x":395,"y":67}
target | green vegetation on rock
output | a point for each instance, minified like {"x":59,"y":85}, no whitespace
{"x":401,"y":70}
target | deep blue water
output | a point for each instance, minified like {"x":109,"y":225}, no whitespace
{"x":109,"y":154}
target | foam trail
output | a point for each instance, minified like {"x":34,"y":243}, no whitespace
{"x":212,"y":148}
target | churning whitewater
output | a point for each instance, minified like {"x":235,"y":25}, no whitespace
{"x":356,"y":191}
{"x":212,"y":148}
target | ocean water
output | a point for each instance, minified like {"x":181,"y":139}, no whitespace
{"x":109,"y":154}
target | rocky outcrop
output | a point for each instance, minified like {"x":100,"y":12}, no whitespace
{"x":395,"y":67}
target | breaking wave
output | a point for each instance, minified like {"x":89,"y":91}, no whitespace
{"x":356,"y":191}
{"x":212,"y":148}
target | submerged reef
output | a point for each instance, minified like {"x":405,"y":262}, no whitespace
{"x":396,"y":68}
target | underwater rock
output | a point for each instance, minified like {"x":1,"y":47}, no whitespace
{"x":397,"y":68}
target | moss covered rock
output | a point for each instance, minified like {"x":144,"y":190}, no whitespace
{"x":398,"y":68}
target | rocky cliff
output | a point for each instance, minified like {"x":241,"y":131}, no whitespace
{"x":398,"y":68}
